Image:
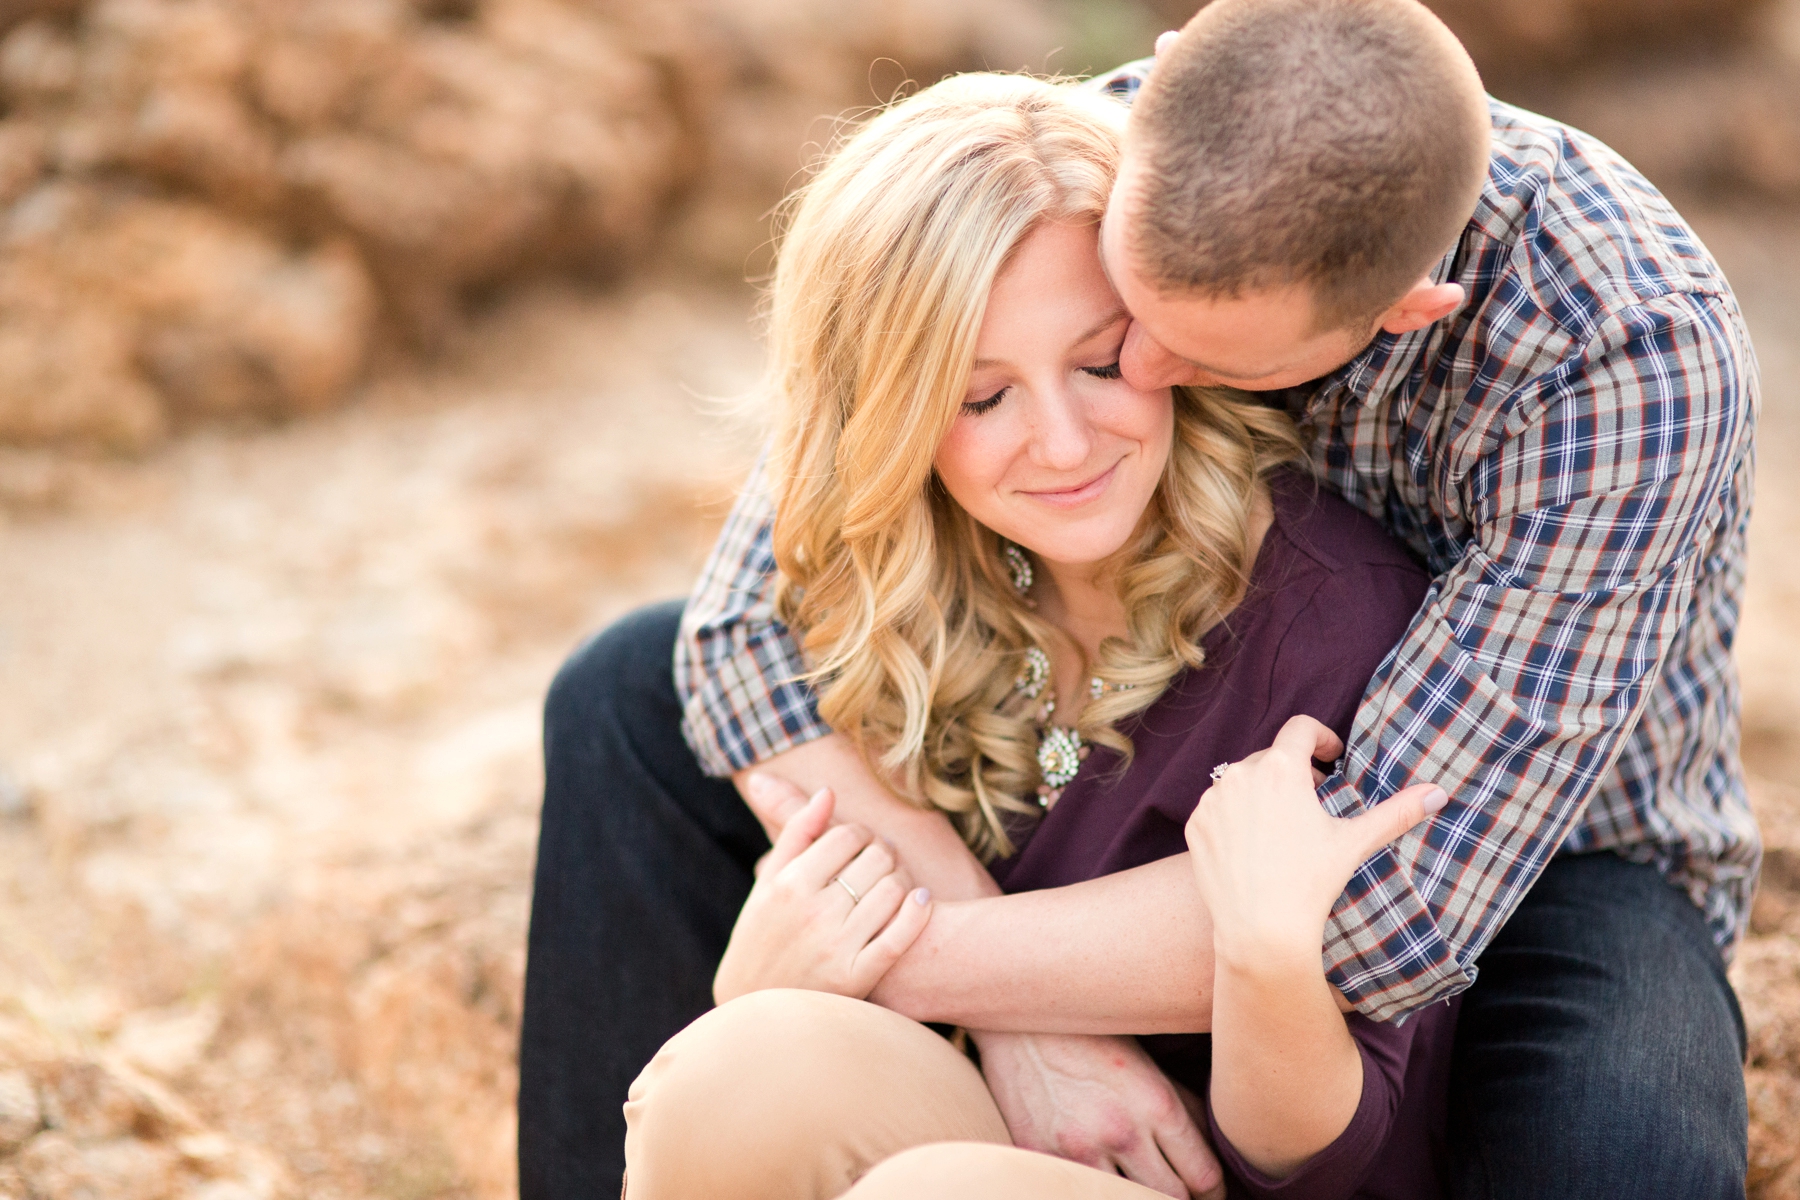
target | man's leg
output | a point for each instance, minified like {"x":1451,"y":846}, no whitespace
{"x":1600,"y":1051}
{"x":643,"y":863}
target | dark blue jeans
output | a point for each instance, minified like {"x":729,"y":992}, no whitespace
{"x":1598,"y":1055}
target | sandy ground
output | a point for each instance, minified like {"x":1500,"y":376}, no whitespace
{"x":269,"y":716}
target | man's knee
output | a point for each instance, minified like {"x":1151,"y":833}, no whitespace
{"x":1599,"y":1051}
{"x":624,"y":673}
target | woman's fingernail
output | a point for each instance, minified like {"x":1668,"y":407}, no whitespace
{"x":921,"y":896}
{"x":1435,"y":800}
{"x":757,"y":785}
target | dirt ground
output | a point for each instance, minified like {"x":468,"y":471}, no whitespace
{"x":268,"y":743}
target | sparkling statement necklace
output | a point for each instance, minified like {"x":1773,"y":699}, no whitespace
{"x":1061,"y":750}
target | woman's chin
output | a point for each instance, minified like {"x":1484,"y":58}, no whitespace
{"x":1075,"y":549}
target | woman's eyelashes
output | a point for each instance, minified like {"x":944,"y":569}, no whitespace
{"x":976,"y":407}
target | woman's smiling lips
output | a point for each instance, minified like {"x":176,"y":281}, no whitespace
{"x":1079,"y":494}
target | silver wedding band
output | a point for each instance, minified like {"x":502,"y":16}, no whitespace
{"x":1218,"y":772}
{"x":839,"y":880}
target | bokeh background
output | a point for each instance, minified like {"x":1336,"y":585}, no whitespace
{"x":357,"y":357}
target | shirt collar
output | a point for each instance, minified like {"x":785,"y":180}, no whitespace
{"x":1387,"y":360}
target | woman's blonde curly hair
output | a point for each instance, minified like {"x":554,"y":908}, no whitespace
{"x":901,"y":600}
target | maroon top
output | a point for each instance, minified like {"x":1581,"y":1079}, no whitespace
{"x":1330,"y":595}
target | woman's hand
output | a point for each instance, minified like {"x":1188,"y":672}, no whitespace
{"x":831,"y":911}
{"x":1287,"y":1077}
{"x":1269,"y":861}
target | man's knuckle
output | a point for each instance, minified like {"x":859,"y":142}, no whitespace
{"x":1118,"y":1133}
{"x":1164,"y":1106}
{"x":1076,"y":1146}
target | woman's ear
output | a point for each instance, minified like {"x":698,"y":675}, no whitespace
{"x":1426,"y":304}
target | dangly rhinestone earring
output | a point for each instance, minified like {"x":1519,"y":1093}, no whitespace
{"x":1018,"y":565}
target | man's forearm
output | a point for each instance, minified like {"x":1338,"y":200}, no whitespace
{"x":1126,"y":953}
{"x":924,"y":841}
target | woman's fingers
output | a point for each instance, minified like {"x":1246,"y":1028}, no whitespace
{"x":1372,"y":830}
{"x":820,"y":862}
{"x":1308,"y":739}
{"x":902,"y":930}
{"x":800,"y":832}
{"x":868,"y":868}
{"x":864,"y":923}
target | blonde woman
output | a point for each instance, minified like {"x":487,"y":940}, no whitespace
{"x":1058,"y":610}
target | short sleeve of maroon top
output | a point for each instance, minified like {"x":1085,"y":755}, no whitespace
{"x":1330,"y":595}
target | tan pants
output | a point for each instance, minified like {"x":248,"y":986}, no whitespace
{"x":791,"y":1095}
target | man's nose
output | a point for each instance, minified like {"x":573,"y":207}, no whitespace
{"x":1147,"y":366}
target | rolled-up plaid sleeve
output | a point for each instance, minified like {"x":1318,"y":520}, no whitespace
{"x":737,"y":668}
{"x":1596,"y":497}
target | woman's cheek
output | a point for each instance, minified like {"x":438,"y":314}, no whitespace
{"x":971,"y":458}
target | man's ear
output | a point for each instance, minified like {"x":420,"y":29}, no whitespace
{"x":1426,"y":304}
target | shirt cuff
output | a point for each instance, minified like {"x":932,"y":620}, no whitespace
{"x":1383,"y":948}
{"x":1335,"y":1172}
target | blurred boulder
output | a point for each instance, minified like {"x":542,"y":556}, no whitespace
{"x":405,"y":973}
{"x":1522,"y":38}
{"x":1719,"y":126}
{"x":1526,"y":37}
{"x":1774,"y":1173}
{"x":74,"y":1128}
{"x":209,"y":207}
{"x":766,"y":80}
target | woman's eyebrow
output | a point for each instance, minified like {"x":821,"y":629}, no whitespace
{"x":1107,"y":322}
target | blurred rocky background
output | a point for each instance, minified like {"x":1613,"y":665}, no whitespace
{"x":358,"y":356}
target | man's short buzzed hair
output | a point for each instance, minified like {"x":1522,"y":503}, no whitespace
{"x":1337,"y":144}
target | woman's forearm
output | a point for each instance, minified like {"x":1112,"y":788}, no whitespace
{"x":1126,"y":953}
{"x":1286,"y":1074}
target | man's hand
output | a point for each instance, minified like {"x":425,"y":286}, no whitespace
{"x":774,"y":800}
{"x":1100,"y":1101}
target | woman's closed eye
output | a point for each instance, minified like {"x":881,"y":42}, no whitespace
{"x":976,"y":407}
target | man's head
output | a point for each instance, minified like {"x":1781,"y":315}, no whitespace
{"x":1293,"y":170}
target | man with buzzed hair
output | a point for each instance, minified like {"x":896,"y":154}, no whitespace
{"x":1503,"y":343}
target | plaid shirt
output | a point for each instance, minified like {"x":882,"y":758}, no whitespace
{"x":1571,"y":456}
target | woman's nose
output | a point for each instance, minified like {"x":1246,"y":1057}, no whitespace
{"x":1147,"y":366}
{"x":1062,"y":438}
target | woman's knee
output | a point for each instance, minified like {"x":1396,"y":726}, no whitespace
{"x":982,"y":1171}
{"x":795,"y":1094}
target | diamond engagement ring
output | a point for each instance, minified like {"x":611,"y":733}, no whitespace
{"x":1218,"y":772}
{"x":839,"y":880}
